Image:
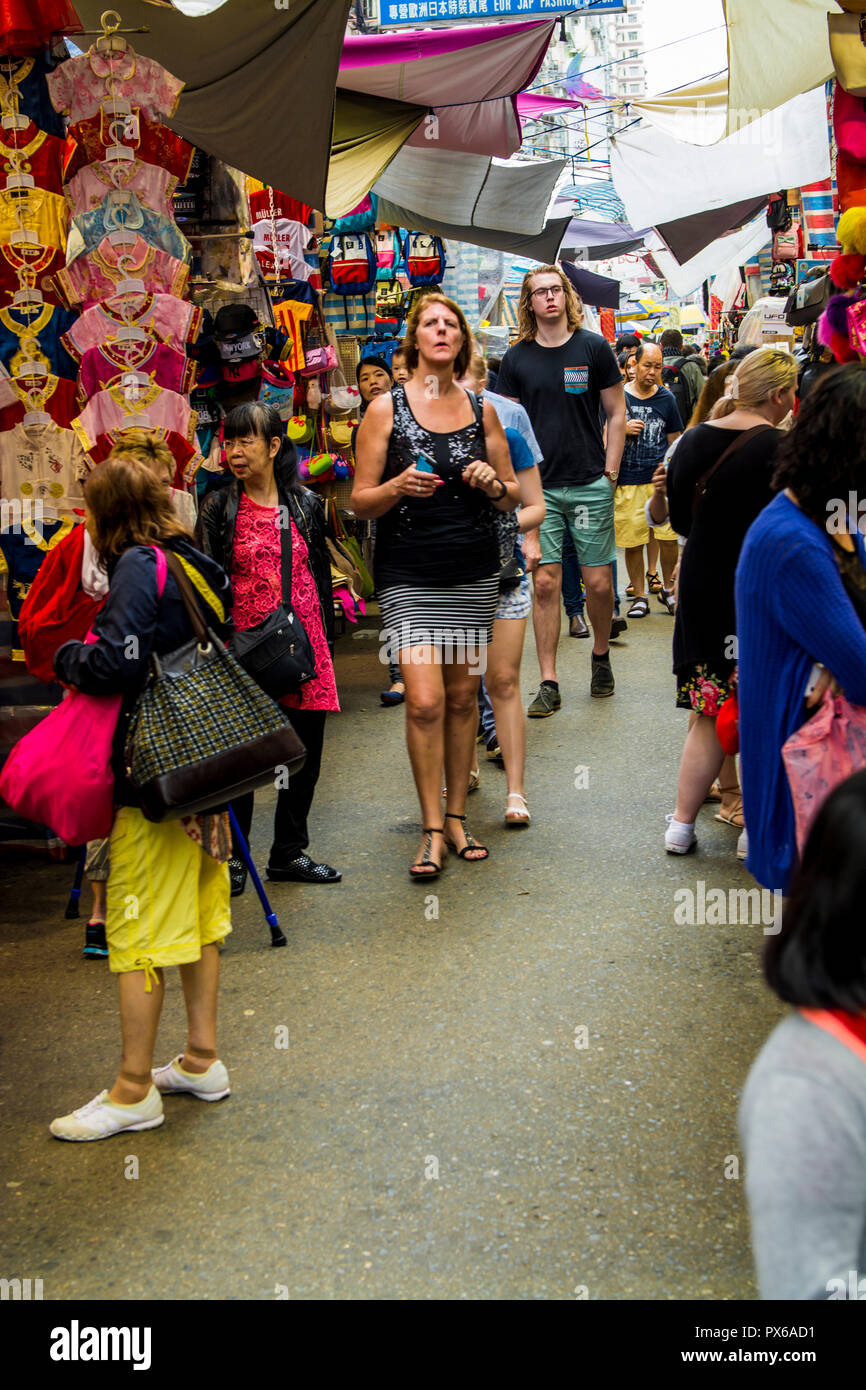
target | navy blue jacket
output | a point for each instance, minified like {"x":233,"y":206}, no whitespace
{"x":134,"y":623}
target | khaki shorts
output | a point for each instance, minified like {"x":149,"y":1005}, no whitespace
{"x":166,"y":897}
{"x":629,"y":518}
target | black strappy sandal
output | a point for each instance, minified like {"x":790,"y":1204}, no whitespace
{"x":470,"y":843}
{"x":422,"y":863}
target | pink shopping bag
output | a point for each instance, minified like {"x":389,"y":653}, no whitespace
{"x":60,"y":774}
{"x":829,"y":748}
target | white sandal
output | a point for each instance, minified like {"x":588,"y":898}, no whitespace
{"x":474,"y":781}
{"x":519,"y":816}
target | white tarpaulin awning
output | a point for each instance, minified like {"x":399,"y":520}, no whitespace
{"x":469,"y":190}
{"x":660,"y":179}
{"x":777,"y":49}
{"x":734,"y":249}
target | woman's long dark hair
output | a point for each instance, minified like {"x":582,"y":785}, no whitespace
{"x":823,"y":457}
{"x":818,"y":960}
{"x":264,"y":421}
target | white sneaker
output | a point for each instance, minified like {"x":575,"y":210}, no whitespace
{"x":679,"y":838}
{"x":212,"y":1084}
{"x":101,"y":1117}
{"x":743,"y":844}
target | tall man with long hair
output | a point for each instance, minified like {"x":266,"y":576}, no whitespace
{"x":565,"y":376}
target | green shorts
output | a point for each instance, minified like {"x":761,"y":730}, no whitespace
{"x":587,"y":512}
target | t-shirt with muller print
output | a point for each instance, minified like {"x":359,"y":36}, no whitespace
{"x":560,"y":389}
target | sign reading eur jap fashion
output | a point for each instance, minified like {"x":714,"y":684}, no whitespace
{"x":394,"y":12}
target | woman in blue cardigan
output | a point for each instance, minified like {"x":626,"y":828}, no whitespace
{"x":801,"y":602}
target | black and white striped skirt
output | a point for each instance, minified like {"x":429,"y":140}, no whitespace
{"x":458,"y":620}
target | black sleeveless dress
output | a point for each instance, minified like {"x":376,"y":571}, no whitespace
{"x":437,"y":559}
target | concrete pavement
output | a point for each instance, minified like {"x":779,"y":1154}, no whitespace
{"x":518,"y":1082}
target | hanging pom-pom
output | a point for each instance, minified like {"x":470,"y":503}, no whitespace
{"x":847,"y":270}
{"x":835,"y":315}
{"x":851,"y":231}
{"x":841,"y":348}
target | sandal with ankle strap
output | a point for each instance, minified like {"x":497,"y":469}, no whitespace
{"x":470,"y":843}
{"x":516,"y":815}
{"x":417,"y":870}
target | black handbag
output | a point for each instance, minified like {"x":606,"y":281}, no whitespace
{"x":202,"y":731}
{"x":807,"y":302}
{"x":277,"y":652}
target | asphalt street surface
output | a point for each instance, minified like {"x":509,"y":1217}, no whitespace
{"x":518,"y":1082}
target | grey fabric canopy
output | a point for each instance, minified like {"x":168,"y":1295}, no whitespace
{"x":539,"y":246}
{"x":260,"y":82}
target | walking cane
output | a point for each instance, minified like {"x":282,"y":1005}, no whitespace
{"x":74,"y":896}
{"x":277,"y":937}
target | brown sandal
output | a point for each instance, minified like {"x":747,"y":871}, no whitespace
{"x":732,"y":814}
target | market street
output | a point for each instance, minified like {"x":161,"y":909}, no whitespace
{"x":435,"y":1127}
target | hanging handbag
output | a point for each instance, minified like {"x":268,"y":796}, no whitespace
{"x":277,"y":652}
{"x":202,"y":731}
{"x":808,"y":301}
{"x":848,"y":50}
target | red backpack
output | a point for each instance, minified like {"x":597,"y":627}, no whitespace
{"x":56,"y":610}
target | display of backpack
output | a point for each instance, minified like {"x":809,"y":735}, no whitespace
{"x":675,"y":381}
{"x":389,"y":252}
{"x":778,"y":213}
{"x":424,"y":256}
{"x":351,"y":267}
{"x":390,"y":308}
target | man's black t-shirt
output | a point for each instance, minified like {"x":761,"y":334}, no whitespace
{"x":560,"y":389}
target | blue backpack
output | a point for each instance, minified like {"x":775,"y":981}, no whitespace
{"x":424,"y":257}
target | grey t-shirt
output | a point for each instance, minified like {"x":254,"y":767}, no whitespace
{"x":803,"y":1131}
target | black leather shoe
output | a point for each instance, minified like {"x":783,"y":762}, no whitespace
{"x":577,"y":627}
{"x":303,"y":870}
{"x":617,"y":627}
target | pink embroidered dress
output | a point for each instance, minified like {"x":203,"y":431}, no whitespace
{"x":257,"y":589}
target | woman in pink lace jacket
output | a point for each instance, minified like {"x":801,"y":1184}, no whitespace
{"x":239,"y":526}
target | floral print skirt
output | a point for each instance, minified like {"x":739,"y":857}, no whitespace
{"x":701,"y":689}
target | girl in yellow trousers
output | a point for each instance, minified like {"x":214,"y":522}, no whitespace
{"x":168,"y":891}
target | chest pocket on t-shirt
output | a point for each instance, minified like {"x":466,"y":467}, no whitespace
{"x":576,"y":380}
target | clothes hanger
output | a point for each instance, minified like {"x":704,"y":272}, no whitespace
{"x":16,"y":178}
{"x":115,"y":105}
{"x":118,"y":150}
{"x":128,"y":286}
{"x":129,"y":332}
{"x":36,"y":415}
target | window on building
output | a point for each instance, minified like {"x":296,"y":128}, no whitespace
{"x":633,"y":36}
{"x":634,"y":86}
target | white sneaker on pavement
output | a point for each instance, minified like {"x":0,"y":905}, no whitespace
{"x":743,"y":844}
{"x":101,"y":1117}
{"x":212,"y":1084}
{"x":679,"y":838}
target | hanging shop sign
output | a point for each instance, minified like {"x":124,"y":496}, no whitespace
{"x":397,"y":12}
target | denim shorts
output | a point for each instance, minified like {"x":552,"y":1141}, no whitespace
{"x":587,"y":512}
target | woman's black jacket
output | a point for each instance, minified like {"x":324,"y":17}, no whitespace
{"x":215,"y":533}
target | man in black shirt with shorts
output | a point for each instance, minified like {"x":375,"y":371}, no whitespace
{"x":562,"y":374}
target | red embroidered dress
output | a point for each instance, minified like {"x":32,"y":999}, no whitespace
{"x":257,"y":589}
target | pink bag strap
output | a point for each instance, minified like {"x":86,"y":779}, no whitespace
{"x":161,"y":569}
{"x":823,"y":1018}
